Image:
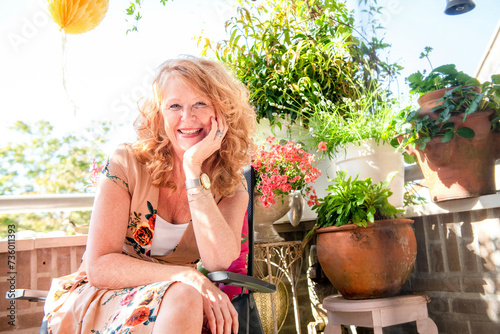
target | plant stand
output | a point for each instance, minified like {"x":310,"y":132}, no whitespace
{"x":378,"y":313}
{"x":276,"y":260}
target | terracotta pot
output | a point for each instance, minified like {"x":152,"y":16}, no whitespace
{"x":368,"y":262}
{"x":496,"y":141}
{"x":430,"y":100}
{"x":460,"y":168}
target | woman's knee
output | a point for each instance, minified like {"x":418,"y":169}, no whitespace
{"x":181,"y":310}
{"x":183,"y":297}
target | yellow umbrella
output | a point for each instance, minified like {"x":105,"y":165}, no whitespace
{"x":78,"y":16}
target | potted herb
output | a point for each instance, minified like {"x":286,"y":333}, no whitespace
{"x":364,"y":250}
{"x":452,"y":134}
{"x":357,"y":136}
{"x":283,"y":171}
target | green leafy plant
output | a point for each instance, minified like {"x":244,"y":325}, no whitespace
{"x":370,"y":116}
{"x":462,"y":97}
{"x":354,"y":201}
{"x":444,"y":76}
{"x":289,"y":53}
{"x":293,"y":55}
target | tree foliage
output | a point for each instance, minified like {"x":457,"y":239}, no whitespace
{"x":40,"y":162}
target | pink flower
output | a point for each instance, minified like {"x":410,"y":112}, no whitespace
{"x":321,"y":147}
{"x":270,"y":139}
{"x":94,"y":173}
{"x":282,"y":169}
{"x":128,"y":298}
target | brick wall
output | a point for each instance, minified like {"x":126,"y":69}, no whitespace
{"x":37,"y":262}
{"x":458,"y":265}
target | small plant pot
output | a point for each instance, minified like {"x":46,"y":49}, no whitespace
{"x":375,"y":160}
{"x":368,"y":262}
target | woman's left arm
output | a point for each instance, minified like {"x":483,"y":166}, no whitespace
{"x":218,"y":227}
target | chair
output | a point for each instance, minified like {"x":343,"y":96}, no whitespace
{"x":249,"y":320}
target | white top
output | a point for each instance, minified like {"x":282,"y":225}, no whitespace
{"x":166,"y":236}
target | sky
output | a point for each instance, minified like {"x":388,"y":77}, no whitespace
{"x":107,"y":70}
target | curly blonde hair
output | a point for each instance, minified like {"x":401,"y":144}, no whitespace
{"x":229,"y":98}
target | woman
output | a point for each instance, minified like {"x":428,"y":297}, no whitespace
{"x":155,"y":214}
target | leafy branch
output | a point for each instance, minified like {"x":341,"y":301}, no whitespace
{"x":134,"y":13}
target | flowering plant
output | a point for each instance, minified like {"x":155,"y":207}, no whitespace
{"x":94,"y":173}
{"x":281,"y":169}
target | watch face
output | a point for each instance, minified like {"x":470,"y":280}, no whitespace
{"x":205,"y":181}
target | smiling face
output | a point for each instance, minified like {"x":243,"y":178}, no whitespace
{"x":187,"y":114}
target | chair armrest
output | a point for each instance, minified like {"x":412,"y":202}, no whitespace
{"x":27,"y":294}
{"x":242,"y":281}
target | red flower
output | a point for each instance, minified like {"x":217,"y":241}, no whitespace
{"x":152,"y":221}
{"x":143,"y":236}
{"x":283,"y":168}
{"x":137,"y":317}
{"x":270,"y":139}
{"x":94,"y":173}
{"x":321,"y":147}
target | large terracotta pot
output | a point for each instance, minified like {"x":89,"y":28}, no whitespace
{"x":460,"y":168}
{"x":368,"y":262}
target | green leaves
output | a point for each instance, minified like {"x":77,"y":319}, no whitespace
{"x":43,"y":163}
{"x":456,"y":105}
{"x":290,"y":46}
{"x":39,"y":162}
{"x":444,"y":76}
{"x":354,"y":201}
{"x":133,"y":10}
{"x":466,"y":132}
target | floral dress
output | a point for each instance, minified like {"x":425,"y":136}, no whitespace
{"x":74,"y":306}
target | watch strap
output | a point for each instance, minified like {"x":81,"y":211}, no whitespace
{"x":193,"y":183}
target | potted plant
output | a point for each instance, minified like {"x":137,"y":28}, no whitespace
{"x":454,"y":133}
{"x":364,"y":250}
{"x":281,"y":49}
{"x":282,"y":172}
{"x":291,"y":54}
{"x":357,"y":136}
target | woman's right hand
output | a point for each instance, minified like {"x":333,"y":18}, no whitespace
{"x":221,"y":314}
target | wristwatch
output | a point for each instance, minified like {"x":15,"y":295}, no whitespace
{"x":203,"y":180}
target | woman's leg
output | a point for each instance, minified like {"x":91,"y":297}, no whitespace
{"x":181,"y":311}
